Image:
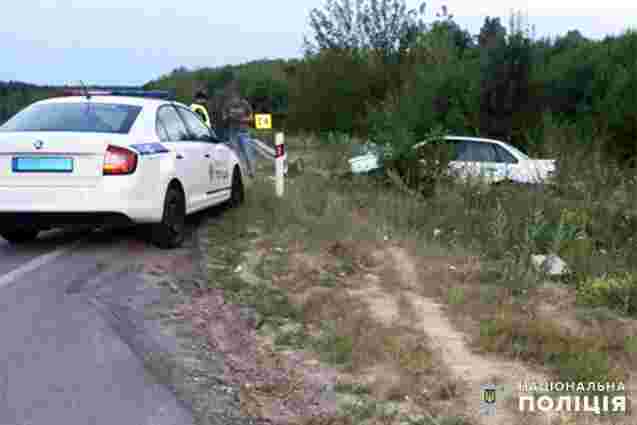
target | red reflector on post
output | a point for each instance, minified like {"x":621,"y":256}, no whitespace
{"x":119,"y":161}
{"x":280,"y":150}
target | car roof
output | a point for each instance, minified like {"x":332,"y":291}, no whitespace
{"x":465,"y":138}
{"x":120,"y":100}
{"x":473,"y":139}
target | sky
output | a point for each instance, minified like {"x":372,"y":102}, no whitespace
{"x":129,"y":42}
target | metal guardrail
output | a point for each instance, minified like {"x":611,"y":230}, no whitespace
{"x":264,"y":149}
{"x":269,"y":153}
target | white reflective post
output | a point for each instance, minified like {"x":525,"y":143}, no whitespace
{"x":279,"y":142}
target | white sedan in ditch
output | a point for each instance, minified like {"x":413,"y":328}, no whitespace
{"x":111,"y":158}
{"x":493,"y":161}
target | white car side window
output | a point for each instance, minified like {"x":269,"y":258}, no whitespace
{"x":484,"y":152}
{"x":504,"y":156}
{"x":174,"y":126}
{"x":463,"y":151}
{"x":470,"y":151}
{"x":197,"y":128}
{"x":161,"y":131}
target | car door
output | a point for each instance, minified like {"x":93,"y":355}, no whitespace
{"x":476,"y":159}
{"x":201,"y":133}
{"x":506,"y":161}
{"x":219,"y":156}
{"x":190,"y":160}
{"x":491,"y":169}
{"x":463,"y":164}
{"x":224,"y":154}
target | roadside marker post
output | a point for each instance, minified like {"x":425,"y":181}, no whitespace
{"x":279,"y":159}
{"x":263,"y":121}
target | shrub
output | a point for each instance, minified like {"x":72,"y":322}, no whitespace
{"x":618,"y":293}
{"x":424,"y":168}
{"x":585,"y":367}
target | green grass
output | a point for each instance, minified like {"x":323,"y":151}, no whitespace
{"x":572,"y":358}
{"x":334,"y":348}
{"x":631,"y":345}
{"x":586,"y":366}
{"x":456,"y":296}
{"x":363,"y":410}
{"x":352,"y":388}
{"x":618,"y":292}
{"x":293,"y":336}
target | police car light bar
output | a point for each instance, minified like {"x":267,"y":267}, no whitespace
{"x":153,"y":94}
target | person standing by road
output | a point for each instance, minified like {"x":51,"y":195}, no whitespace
{"x":200,"y":106}
{"x":236,"y":118}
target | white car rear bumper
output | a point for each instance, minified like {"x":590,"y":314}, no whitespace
{"x":123,"y":195}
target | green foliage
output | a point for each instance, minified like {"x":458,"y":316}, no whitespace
{"x":375,"y":68}
{"x":571,"y":227}
{"x":510,"y":86}
{"x":352,"y":388}
{"x":586,"y":366}
{"x":263,"y":82}
{"x":456,"y":295}
{"x":359,"y":54}
{"x":505,"y":79}
{"x":630,"y":345}
{"x":334,"y":347}
{"x":617,"y":292}
{"x":328,"y":92}
{"x":422,"y":169}
{"x":15,"y":96}
{"x":384,"y":26}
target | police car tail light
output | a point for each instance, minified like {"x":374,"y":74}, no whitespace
{"x":119,"y":161}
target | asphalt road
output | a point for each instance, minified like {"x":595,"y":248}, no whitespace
{"x":73,"y":333}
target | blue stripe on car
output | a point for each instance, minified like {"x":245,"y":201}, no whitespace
{"x":150,"y":148}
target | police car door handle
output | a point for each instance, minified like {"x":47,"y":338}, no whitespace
{"x":207,"y":155}
{"x":180,"y":156}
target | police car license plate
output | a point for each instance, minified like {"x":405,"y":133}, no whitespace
{"x":42,"y":164}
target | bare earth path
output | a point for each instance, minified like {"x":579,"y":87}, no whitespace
{"x":472,"y":369}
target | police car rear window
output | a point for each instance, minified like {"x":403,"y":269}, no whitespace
{"x":75,"y":117}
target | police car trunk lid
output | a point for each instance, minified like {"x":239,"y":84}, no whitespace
{"x":54,"y":159}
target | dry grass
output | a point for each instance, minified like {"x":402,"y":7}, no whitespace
{"x":396,"y":358}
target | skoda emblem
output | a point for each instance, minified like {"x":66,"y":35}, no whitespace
{"x":38,"y":144}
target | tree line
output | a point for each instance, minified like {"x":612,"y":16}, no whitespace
{"x":15,"y":95}
{"x":377,"y":69}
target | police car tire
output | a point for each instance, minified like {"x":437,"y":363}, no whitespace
{"x":170,"y":232}
{"x":237,"y":192}
{"x":18,"y":236}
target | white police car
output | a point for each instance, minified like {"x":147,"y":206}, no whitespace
{"x":110,"y":158}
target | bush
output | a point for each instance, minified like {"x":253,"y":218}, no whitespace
{"x":424,"y":168}
{"x":618,"y":293}
{"x":586,"y":367}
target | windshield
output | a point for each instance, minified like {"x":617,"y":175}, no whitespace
{"x":75,"y":117}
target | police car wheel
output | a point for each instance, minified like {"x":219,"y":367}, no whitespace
{"x":18,"y":236}
{"x":237,"y":193}
{"x":171,"y":231}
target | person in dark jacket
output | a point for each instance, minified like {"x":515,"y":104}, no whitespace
{"x":236,"y":116}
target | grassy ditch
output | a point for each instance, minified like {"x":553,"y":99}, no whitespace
{"x":293,"y":261}
{"x":588,"y":217}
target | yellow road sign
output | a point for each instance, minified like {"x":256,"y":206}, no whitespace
{"x":263,"y":121}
